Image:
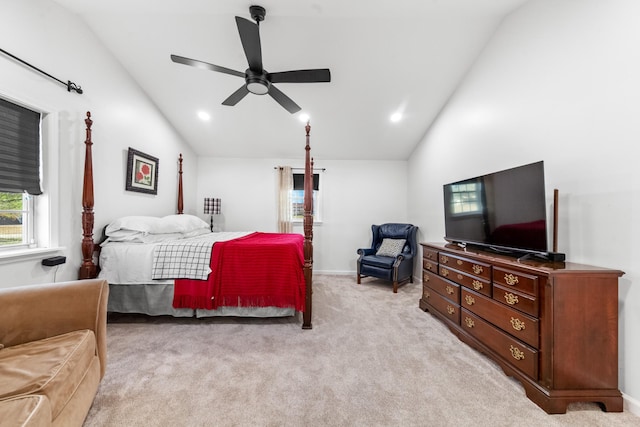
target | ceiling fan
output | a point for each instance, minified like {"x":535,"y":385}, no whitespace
{"x":257,"y":80}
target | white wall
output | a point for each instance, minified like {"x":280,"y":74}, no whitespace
{"x":558,"y":82}
{"x":356,"y":194}
{"x":45,"y":35}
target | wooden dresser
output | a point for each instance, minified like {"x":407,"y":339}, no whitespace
{"x":552,"y":326}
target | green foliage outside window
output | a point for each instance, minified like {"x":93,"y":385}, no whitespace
{"x":11,"y":211}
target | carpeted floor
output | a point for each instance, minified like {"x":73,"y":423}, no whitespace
{"x":373,"y":358}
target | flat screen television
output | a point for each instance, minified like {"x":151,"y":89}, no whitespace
{"x":503,"y":211}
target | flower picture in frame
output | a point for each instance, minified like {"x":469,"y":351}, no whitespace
{"x":142,"y":172}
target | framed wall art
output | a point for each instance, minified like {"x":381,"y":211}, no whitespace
{"x":142,"y":172}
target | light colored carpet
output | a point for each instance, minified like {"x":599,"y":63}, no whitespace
{"x":373,"y":358}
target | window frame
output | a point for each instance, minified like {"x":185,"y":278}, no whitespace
{"x":45,"y":207}
{"x":27,"y":229}
{"x":316,"y":209}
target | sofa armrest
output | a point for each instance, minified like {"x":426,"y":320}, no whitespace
{"x":34,"y":312}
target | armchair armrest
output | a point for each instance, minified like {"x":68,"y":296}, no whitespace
{"x":30,"y":313}
{"x":366,"y":251}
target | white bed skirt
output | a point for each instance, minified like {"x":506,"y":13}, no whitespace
{"x":157,"y":299}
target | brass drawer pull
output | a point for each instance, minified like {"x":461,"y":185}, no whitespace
{"x":511,"y":279}
{"x":444,"y":259}
{"x":477,"y":268}
{"x":516,"y":353}
{"x":469,"y":321}
{"x":426,"y":278}
{"x":477,"y":285}
{"x":459,"y":262}
{"x":427,"y":294}
{"x":511,"y":299}
{"x":517,"y":324}
{"x":459,"y":276}
{"x":469,"y":299}
{"x":450,"y":309}
{"x":445,"y":272}
{"x":450,"y":290}
{"x":428,"y":266}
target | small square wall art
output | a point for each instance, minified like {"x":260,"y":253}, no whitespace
{"x":142,"y":172}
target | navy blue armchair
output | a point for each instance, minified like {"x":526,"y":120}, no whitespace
{"x":390,"y":257}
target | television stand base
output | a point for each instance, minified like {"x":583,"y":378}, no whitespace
{"x":547,"y":256}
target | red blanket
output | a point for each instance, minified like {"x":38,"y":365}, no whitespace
{"x":257,"y":270}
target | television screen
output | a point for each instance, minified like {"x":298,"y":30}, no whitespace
{"x":503,"y":210}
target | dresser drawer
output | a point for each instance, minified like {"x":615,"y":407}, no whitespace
{"x":430,"y":265}
{"x":430,"y":254}
{"x":476,"y":283}
{"x":472,"y":267}
{"x":512,"y":321}
{"x":521,"y":301}
{"x":517,"y":280}
{"x":446,"y":288}
{"x":441,"y":304}
{"x":510,"y":349}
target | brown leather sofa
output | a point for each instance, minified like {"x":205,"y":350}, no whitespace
{"x":53,"y":350}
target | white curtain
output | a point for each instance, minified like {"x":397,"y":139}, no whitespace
{"x":285,"y":186}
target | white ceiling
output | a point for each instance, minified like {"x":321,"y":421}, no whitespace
{"x":384,"y":56}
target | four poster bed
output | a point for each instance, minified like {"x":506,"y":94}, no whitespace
{"x":175,"y":266}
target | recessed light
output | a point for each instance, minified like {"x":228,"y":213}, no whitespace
{"x":203,"y":115}
{"x":396,"y":117}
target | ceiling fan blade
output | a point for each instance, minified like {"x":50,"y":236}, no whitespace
{"x":205,"y":65}
{"x":301,"y":76}
{"x":250,"y":37}
{"x":236,"y":96}
{"x":283,"y":100}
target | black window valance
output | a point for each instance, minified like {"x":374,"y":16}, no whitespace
{"x":19,"y":149}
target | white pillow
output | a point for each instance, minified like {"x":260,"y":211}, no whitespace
{"x":180,"y":224}
{"x":143,"y":224}
{"x":128,"y":236}
{"x":154,"y":225}
{"x":391,"y":247}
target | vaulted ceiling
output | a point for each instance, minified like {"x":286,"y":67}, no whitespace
{"x":385,"y":57}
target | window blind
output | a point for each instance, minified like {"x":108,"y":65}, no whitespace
{"x":298,"y":181}
{"x":19,"y":149}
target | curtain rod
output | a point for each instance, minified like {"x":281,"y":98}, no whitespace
{"x":301,"y":169}
{"x":69,"y":84}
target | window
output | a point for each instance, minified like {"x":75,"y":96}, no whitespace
{"x":20,"y":171}
{"x":465,"y":198}
{"x":297,"y":198}
{"x":16,"y":219}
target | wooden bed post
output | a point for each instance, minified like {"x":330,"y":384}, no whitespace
{"x":308,"y":232}
{"x":180,"y":202}
{"x":88,"y":269}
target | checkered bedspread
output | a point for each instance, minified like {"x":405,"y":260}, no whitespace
{"x":187,"y":258}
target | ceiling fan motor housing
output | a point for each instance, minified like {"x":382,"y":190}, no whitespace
{"x":257,"y":83}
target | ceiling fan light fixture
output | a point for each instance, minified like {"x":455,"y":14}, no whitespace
{"x":257,"y":82}
{"x":257,"y":87}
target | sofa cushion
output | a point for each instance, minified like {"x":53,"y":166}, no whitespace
{"x":53,"y":367}
{"x":27,"y":411}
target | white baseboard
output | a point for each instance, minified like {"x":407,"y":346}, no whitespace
{"x":630,"y":404}
{"x":336,"y":272}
